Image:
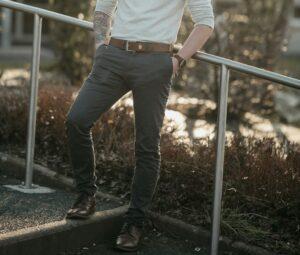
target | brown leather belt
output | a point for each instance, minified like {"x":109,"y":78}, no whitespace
{"x":141,"y":46}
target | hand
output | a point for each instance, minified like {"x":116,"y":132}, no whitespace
{"x":175,"y":66}
{"x":97,"y":44}
{"x":100,"y":42}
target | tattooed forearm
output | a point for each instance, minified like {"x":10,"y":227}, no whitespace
{"x":102,"y":24}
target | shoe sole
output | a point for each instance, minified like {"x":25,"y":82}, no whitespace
{"x":126,"y":248}
{"x":78,"y":216}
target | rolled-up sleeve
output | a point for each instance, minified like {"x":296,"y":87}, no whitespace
{"x":106,"y":6}
{"x":201,"y":12}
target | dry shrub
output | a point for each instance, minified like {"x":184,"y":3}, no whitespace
{"x":261,"y":179}
{"x":261,"y":191}
{"x":13,"y":115}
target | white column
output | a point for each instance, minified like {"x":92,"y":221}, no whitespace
{"x":19,"y":25}
{"x":7,"y":25}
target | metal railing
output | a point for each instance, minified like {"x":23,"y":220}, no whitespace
{"x":226,"y":66}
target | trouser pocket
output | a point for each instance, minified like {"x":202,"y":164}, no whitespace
{"x":170,"y":66}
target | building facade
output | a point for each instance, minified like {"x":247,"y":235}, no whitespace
{"x":16,"y":27}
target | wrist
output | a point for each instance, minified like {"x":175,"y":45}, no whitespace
{"x":99,"y":37}
{"x":180,"y":60}
{"x":180,"y":55}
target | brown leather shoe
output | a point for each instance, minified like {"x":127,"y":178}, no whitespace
{"x":83,"y":208}
{"x":129,"y":237}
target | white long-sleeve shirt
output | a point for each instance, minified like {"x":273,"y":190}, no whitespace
{"x":153,"y":20}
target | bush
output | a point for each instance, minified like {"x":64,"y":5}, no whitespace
{"x":73,"y":46}
{"x":248,"y":31}
{"x":261,"y":179}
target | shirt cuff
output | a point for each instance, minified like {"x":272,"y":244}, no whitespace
{"x":208,"y":22}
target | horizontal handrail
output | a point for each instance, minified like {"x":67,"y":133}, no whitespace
{"x":46,"y":14}
{"x":248,"y":69}
{"x":226,"y":65}
{"x":231,"y":64}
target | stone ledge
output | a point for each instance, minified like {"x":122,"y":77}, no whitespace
{"x":65,"y":235}
{"x":164,"y":223}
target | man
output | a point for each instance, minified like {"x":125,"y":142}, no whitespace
{"x":135,"y":55}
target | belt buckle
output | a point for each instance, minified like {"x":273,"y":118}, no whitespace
{"x":126,"y":46}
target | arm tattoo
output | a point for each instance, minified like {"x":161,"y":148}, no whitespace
{"x":102,"y":24}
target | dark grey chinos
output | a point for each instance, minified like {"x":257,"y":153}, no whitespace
{"x":115,"y":72}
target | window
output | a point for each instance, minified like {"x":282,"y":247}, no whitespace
{"x":297,"y":12}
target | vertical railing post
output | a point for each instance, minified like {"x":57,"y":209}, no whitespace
{"x":219,"y":165}
{"x":34,"y":80}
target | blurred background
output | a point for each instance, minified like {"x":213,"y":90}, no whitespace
{"x":262,"y":163}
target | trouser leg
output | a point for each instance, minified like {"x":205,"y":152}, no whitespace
{"x":100,"y":91}
{"x":150,"y":96}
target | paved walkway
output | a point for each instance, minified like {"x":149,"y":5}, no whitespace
{"x":19,"y":210}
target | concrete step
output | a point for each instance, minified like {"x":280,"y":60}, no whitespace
{"x":38,"y":219}
{"x":97,"y":234}
{"x":153,"y":243}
